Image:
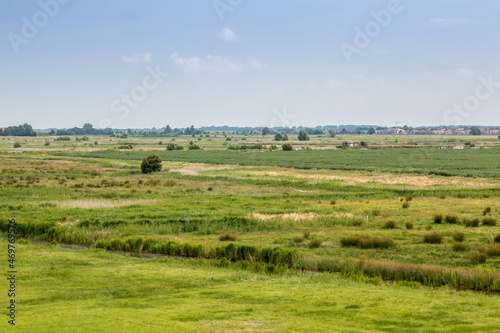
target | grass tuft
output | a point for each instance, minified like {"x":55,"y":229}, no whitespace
{"x":433,"y":238}
{"x":227,"y":238}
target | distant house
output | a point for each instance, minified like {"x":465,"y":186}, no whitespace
{"x":442,"y":147}
{"x":350,"y":144}
{"x":3,"y":128}
{"x":458,"y":147}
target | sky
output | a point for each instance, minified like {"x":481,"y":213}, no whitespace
{"x":143,"y":64}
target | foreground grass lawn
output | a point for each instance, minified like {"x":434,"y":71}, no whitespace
{"x":80,"y":291}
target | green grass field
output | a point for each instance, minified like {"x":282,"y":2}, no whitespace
{"x":82,"y":291}
{"x":308,"y":240}
{"x":467,"y":163}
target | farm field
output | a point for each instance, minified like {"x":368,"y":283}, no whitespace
{"x":356,"y":234}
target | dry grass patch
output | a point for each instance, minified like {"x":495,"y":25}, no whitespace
{"x":93,"y":203}
{"x":288,"y":216}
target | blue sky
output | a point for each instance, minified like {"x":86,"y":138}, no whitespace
{"x":135,"y":64}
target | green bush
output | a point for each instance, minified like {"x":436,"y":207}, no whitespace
{"x":433,"y":238}
{"x":367,"y":242}
{"x":489,"y":221}
{"x":471,"y":223}
{"x":357,"y":222}
{"x":493,"y":251}
{"x":287,"y":147}
{"x":406,"y":205}
{"x":17,"y":144}
{"x":452,"y":219}
{"x":409,"y":225}
{"x":314,"y":243}
{"x":438,"y":218}
{"x":151,"y":163}
{"x":496,"y":239}
{"x":227,"y":237}
{"x":458,"y":236}
{"x":478,"y":258}
{"x":389,"y":225}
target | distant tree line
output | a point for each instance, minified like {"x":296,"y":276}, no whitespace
{"x":87,"y":129}
{"x":21,"y":130}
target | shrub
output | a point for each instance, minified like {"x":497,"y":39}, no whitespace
{"x":409,"y":225}
{"x":409,"y":197}
{"x":151,"y":164}
{"x":460,"y":247}
{"x":357,"y":222}
{"x":17,"y":144}
{"x":287,"y":147}
{"x":227,"y":237}
{"x":438,"y":218}
{"x":433,"y":238}
{"x":487,"y":210}
{"x":489,"y":221}
{"x":458,"y":236}
{"x":333,"y":202}
{"x":471,"y":223}
{"x":429,"y":227}
{"x":306,"y":234}
{"x":453,"y":219}
{"x":366,"y":242}
{"x":53,"y":243}
{"x":315,"y":243}
{"x":406,"y":205}
{"x":496,"y":239}
{"x":493,"y":251}
{"x":194,"y":147}
{"x":297,"y":239}
{"x":389,"y":225}
{"x":375,"y":212}
{"x":478,"y":258}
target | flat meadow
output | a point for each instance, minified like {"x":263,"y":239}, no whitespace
{"x":240,"y":235}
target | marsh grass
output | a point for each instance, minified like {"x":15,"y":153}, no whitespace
{"x":489,"y":221}
{"x":227,"y":237}
{"x":458,"y":236}
{"x":460,"y":247}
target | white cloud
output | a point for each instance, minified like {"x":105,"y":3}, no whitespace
{"x":333,"y":84}
{"x":211,"y":63}
{"x":137,"y":58}
{"x":440,"y":22}
{"x":228,"y":35}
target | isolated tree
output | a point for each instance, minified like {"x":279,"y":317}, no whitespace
{"x":287,"y":147}
{"x":475,"y":131}
{"x":371,"y":131}
{"x":151,"y":163}
{"x":303,"y":136}
{"x":266,"y":131}
{"x":332,"y":133}
{"x":278,"y":137}
{"x":285,"y":137}
{"x":168,"y":129}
